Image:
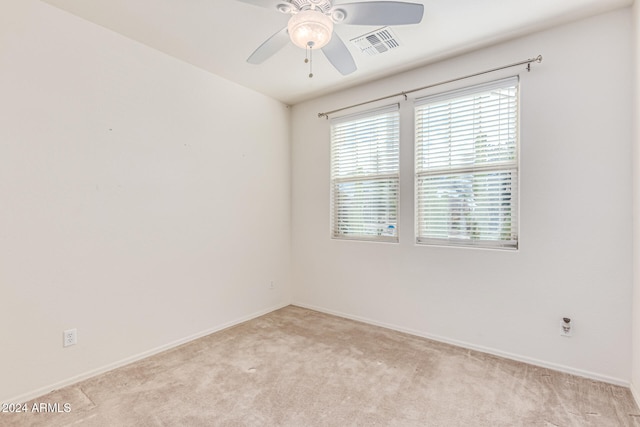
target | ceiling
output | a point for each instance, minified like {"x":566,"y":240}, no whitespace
{"x":219,"y":35}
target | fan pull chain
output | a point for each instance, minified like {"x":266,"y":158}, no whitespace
{"x":309,"y":58}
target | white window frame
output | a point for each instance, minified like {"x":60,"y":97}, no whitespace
{"x":452,"y":169}
{"x":365,"y":168}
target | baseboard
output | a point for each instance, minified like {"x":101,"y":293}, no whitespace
{"x":488,"y":350}
{"x":92,"y":373}
{"x":635,"y":394}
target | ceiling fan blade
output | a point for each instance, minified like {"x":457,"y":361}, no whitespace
{"x":339,"y":56}
{"x":271,"y":4}
{"x":269,"y":47}
{"x":381,"y":13}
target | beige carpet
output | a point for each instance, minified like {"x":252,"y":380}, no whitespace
{"x":296,"y":367}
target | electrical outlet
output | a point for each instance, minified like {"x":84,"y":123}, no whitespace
{"x":272,"y":285}
{"x":70,"y":337}
{"x":566,"y":328}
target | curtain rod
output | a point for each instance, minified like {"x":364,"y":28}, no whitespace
{"x":537,"y":59}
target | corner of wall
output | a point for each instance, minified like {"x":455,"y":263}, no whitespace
{"x":635,"y":327}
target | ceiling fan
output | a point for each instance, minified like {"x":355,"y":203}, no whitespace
{"x":311,"y":26}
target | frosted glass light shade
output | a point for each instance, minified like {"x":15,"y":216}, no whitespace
{"x":310,"y":28}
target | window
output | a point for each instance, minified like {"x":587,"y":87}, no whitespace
{"x":466,"y":175}
{"x":365,"y":175}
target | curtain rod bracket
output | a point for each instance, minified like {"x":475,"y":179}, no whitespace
{"x":537,"y":59}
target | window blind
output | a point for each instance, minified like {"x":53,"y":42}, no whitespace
{"x":365,"y":175}
{"x":466,"y":156}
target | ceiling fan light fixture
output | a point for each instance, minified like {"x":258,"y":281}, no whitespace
{"x":310,"y":28}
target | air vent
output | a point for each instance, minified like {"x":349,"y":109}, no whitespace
{"x":377,"y":42}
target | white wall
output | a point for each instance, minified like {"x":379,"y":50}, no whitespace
{"x":144,"y":201}
{"x":635,"y":377}
{"x":575,"y":245}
